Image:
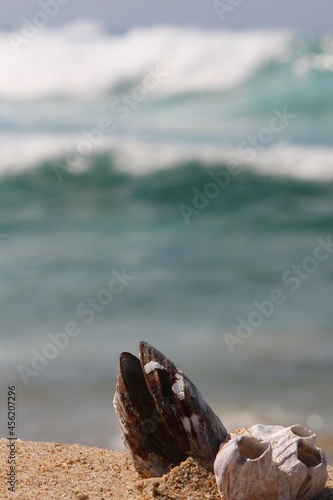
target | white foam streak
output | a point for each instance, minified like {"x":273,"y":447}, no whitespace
{"x":22,"y":152}
{"x":298,"y":161}
{"x":82,"y":59}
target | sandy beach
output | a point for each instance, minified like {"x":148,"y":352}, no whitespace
{"x":61,"y":471}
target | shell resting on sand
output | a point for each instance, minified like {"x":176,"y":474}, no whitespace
{"x":270,"y":461}
{"x":164,"y":420}
{"x":163,"y":417}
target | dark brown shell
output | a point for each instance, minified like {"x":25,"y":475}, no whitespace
{"x":144,"y":433}
{"x":163,"y":417}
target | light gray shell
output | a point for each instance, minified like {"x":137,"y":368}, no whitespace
{"x":275,"y":462}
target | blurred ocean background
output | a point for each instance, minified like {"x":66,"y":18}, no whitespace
{"x":73,"y":211}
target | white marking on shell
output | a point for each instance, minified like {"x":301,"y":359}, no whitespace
{"x":153,"y":365}
{"x":186,"y":424}
{"x":194,"y":420}
{"x":179,"y":387}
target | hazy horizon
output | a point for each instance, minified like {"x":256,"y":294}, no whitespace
{"x":302,"y":16}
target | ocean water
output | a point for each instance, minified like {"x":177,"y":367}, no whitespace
{"x":198,"y":167}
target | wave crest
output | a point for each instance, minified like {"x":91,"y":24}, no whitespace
{"x":304,"y":162}
{"x":84,"y":59}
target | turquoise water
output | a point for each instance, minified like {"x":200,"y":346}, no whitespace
{"x":192,"y":191}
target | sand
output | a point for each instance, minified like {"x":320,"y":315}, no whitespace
{"x":55,"y":471}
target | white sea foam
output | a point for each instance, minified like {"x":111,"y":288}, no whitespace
{"x":83,"y":59}
{"x":22,"y":152}
{"x":298,"y":161}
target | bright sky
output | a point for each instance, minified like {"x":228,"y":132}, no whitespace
{"x":308,"y":16}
